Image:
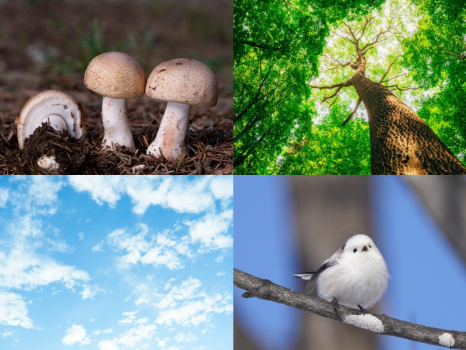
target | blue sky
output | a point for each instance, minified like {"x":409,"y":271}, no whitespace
{"x":428,"y":278}
{"x":113,"y":262}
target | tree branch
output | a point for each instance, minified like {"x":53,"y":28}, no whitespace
{"x":400,"y":89}
{"x":352,"y":113}
{"x":382,"y":324}
{"x":341,"y":36}
{"x":378,"y":38}
{"x":386,"y":81}
{"x":461,"y":57}
{"x":388,"y":70}
{"x":338,"y":86}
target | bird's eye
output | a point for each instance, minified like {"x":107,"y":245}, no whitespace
{"x":370,"y":246}
{"x":355,"y":250}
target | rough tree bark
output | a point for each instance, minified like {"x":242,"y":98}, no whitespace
{"x":401,"y":142}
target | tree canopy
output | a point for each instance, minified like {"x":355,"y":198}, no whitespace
{"x":284,"y":48}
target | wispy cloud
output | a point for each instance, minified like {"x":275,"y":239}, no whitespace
{"x":150,"y":249}
{"x":89,"y":291}
{"x":182,"y":194}
{"x":186,"y":305}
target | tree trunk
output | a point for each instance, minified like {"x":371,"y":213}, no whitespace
{"x":401,"y":142}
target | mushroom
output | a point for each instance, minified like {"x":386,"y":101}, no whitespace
{"x":56,"y":108}
{"x":116,"y":76}
{"x":183,"y":83}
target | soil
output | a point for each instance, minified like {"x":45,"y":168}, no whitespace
{"x":43,"y":53}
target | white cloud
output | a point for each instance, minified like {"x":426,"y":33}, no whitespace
{"x":23,"y":269}
{"x":13,"y":311}
{"x":157,"y":250}
{"x":211,"y":230}
{"x":107,"y":331}
{"x":163,"y":342}
{"x":130,"y":338}
{"x":97,"y":332}
{"x":186,"y":305}
{"x":108,"y":345}
{"x":185,"y":337}
{"x":76,"y":334}
{"x":81,"y":236}
{"x":89,"y":291}
{"x":6,"y":334}
{"x":98,"y":247}
{"x":222,"y":187}
{"x":221,"y":273}
{"x":182,"y":194}
{"x":92,"y":320}
{"x":44,"y":191}
{"x":130,"y":317}
{"x":58,"y":245}
{"x":3,"y":197}
{"x":102,"y":188}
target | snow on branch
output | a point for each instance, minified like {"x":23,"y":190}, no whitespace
{"x":382,"y":324}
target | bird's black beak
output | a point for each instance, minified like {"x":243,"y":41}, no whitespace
{"x":365,"y":249}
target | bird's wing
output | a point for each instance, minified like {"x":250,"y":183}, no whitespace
{"x":311,"y":277}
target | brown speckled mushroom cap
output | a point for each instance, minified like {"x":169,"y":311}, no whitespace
{"x":183,"y":80}
{"x":115,"y":75}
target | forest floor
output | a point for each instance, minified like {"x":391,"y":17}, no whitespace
{"x":42,"y":52}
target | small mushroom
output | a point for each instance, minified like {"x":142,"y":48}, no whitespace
{"x":116,"y":76}
{"x":183,"y":83}
{"x":58,"y":109}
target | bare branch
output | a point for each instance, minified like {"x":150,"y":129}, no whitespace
{"x":400,"y":75}
{"x":341,"y":36}
{"x":338,"y":86}
{"x":400,"y":89}
{"x":335,"y":100}
{"x":388,"y":70}
{"x":382,"y":324}
{"x":356,"y":41}
{"x":329,"y":97}
{"x":378,"y":38}
{"x":327,"y":87}
{"x":368,"y":20}
{"x":352,"y":113}
{"x":338,"y":63}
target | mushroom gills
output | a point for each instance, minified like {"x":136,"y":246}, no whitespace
{"x":59,"y":110}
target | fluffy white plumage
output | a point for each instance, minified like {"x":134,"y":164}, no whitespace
{"x":356,"y":275}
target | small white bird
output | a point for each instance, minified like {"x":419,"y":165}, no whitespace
{"x":355,"y":276}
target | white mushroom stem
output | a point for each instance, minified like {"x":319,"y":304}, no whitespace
{"x":172,"y":133}
{"x":116,"y":124}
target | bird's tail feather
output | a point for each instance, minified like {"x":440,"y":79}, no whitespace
{"x":304,"y":275}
